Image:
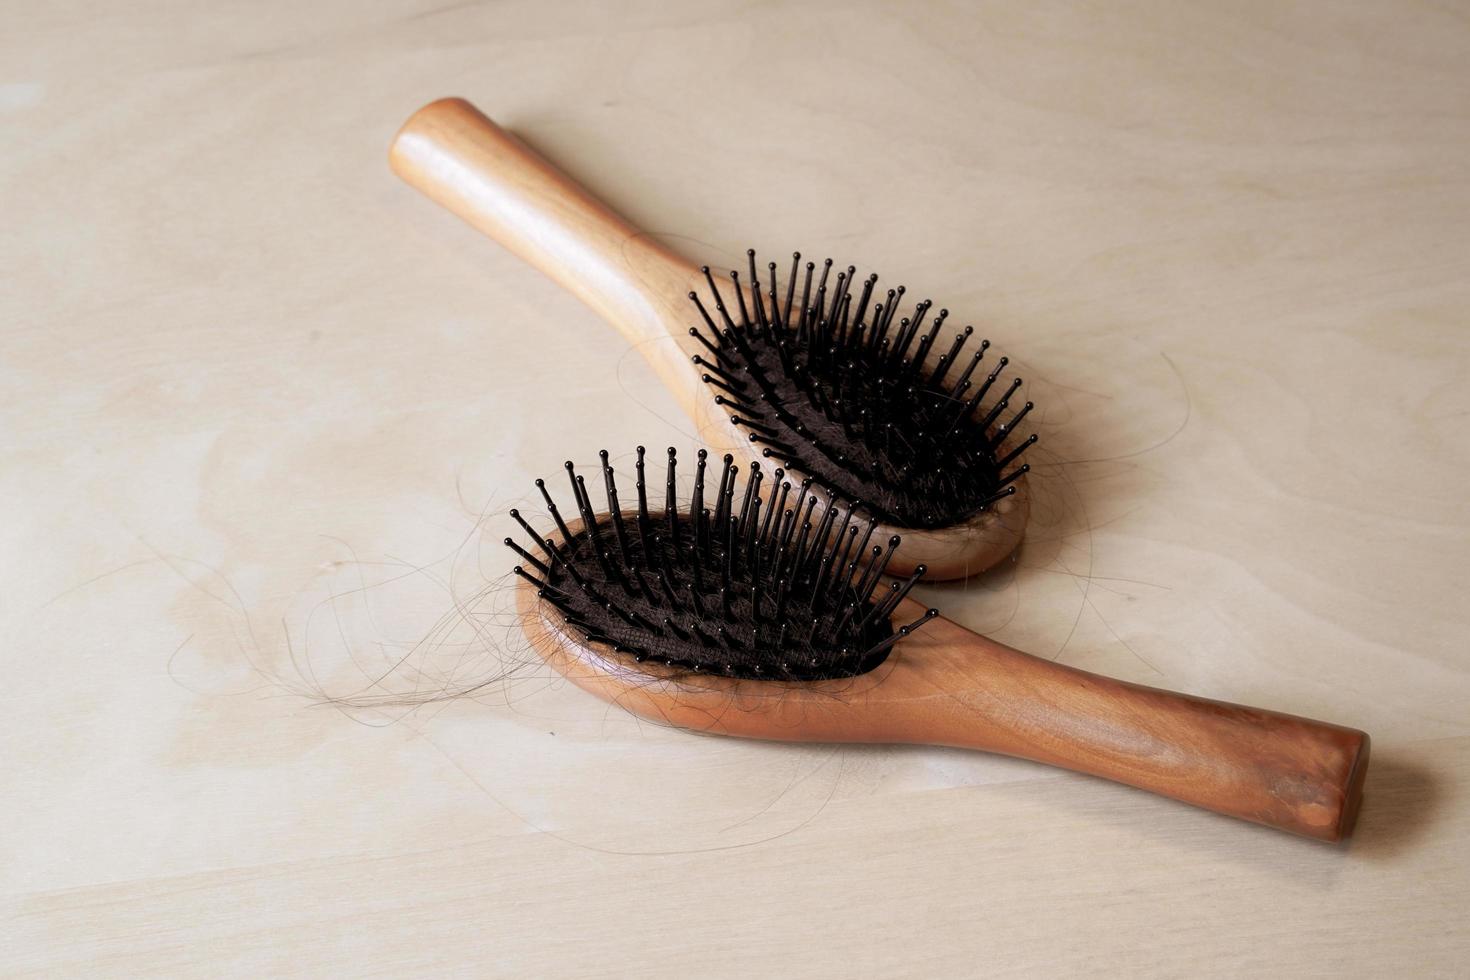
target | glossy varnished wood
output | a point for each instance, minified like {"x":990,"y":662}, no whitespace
{"x":465,"y":162}
{"x":946,"y":685}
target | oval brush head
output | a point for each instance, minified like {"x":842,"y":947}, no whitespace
{"x":740,"y":584}
{"x":848,"y":392}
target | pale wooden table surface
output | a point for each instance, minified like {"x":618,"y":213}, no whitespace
{"x":264,"y":409}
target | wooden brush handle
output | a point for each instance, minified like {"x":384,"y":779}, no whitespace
{"x":465,"y":162}
{"x":1280,"y":770}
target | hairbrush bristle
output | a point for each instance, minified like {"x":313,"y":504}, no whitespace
{"x":846,"y":392}
{"x":749,"y":587}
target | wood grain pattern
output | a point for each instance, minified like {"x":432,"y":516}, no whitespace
{"x":257,"y":420}
{"x":465,"y":162}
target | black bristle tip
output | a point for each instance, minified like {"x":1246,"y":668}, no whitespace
{"x":872,"y":405}
{"x":723,"y":592}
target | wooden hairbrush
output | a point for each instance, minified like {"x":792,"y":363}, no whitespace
{"x":823,"y":377}
{"x":740,"y":616}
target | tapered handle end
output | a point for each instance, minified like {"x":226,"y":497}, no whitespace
{"x":1292,"y":773}
{"x":447,"y":113}
{"x":1352,"y":800}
